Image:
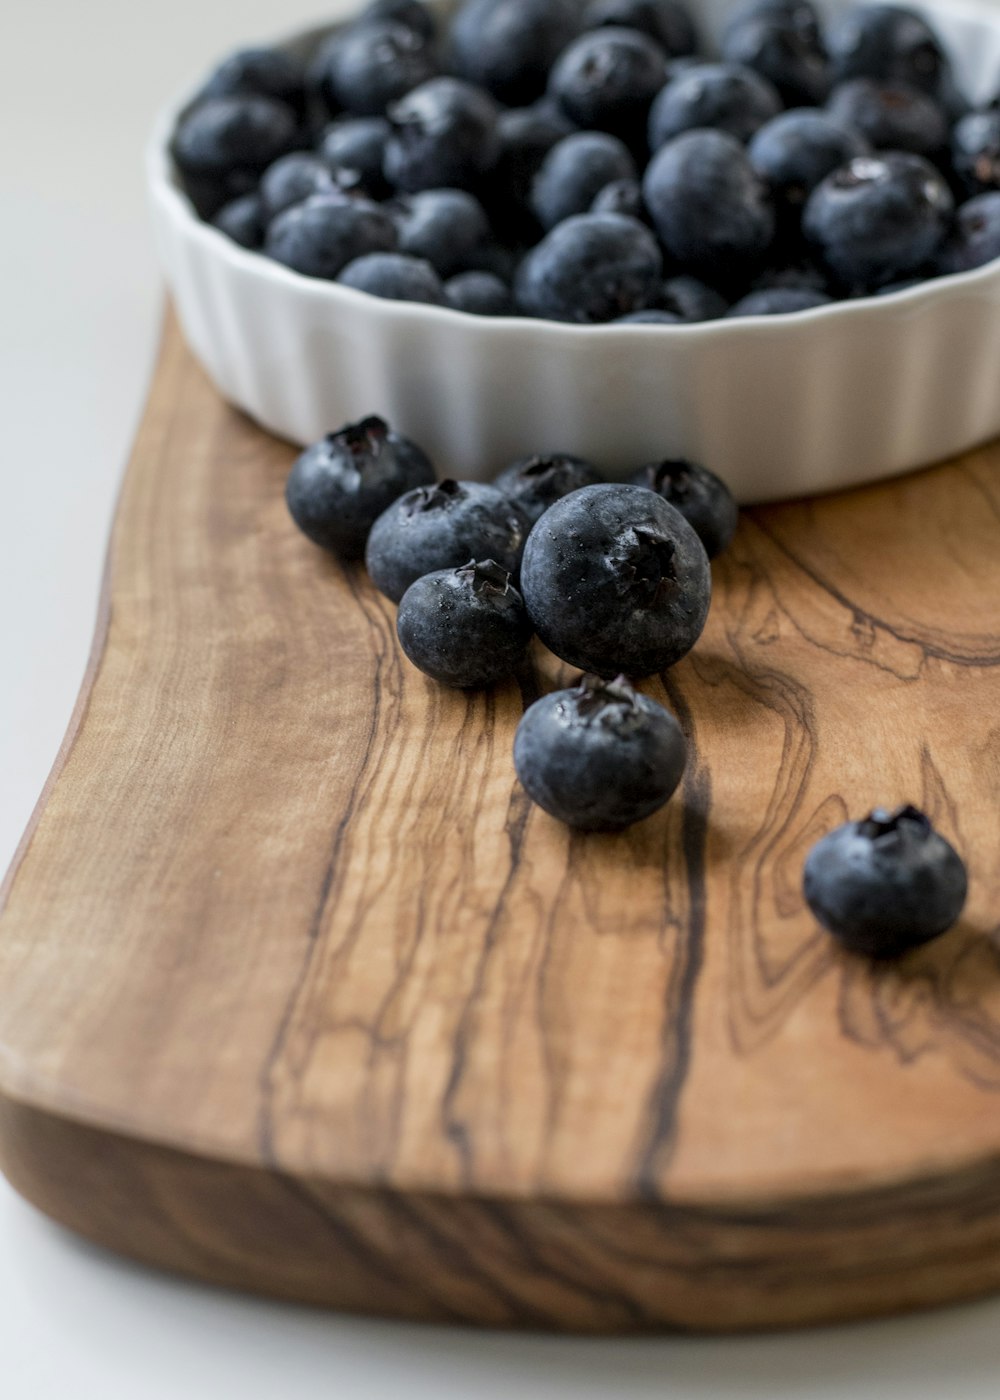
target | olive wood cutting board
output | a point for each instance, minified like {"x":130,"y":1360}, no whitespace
{"x":298,"y":993}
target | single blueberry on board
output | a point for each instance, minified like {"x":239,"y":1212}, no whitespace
{"x":340,"y":485}
{"x":536,"y":483}
{"x":480,"y":294}
{"x":444,"y":135}
{"x":394,"y":276}
{"x":590,"y":268}
{"x":600,"y":756}
{"x":321,"y":236}
{"x":606,"y":80}
{"x":575,"y":170}
{"x":508,"y":46}
{"x":365,"y":67}
{"x":447,"y":227}
{"x":724,"y":96}
{"x":442,"y":527}
{"x":885,"y":884}
{"x":615,"y":579}
{"x":465,"y":627}
{"x":713,"y":212}
{"x":704,"y":499}
{"x":667,"y":21}
{"x":878,"y":218}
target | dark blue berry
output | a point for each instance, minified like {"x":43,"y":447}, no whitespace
{"x":242,"y":220}
{"x":479,"y":293}
{"x":666,"y":21}
{"x":711,"y":209}
{"x":723,"y":96}
{"x":366,"y":67}
{"x":599,"y":757}
{"x":412,"y":13}
{"x":606,"y":80}
{"x":791,"y":56}
{"x":891,"y":116}
{"x":442,"y":527}
{"x":890,"y":43}
{"x":222,"y":145}
{"x":340,"y":485}
{"x":292,"y":179}
{"x":704,"y":499}
{"x":878,"y":218}
{"x":508,"y":46}
{"x":447,"y":227}
{"x":593,"y":267}
{"x":575,"y":171}
{"x":615,"y":579}
{"x":444,"y":134}
{"x":799,"y":15}
{"x":620,"y":197}
{"x":798,"y":149}
{"x":394,"y":276}
{"x":778,"y":301}
{"x":536,"y":483}
{"x":353,"y":149}
{"x":465,"y":627}
{"x":690,"y":300}
{"x":259,"y":72}
{"x":885,"y":884}
{"x":975,"y":151}
{"x":320,"y":237}
{"x":975,"y":238}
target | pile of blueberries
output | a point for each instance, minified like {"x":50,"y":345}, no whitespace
{"x":615,"y":580}
{"x":577,"y":161}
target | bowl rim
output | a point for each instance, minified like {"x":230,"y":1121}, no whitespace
{"x":164,"y":190}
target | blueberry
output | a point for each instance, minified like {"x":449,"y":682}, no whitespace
{"x":536,"y":483}
{"x":789,"y":55}
{"x":508,"y":46}
{"x":799,"y":15}
{"x":340,"y":485}
{"x":778,"y":301}
{"x":353,"y":149}
{"x":447,"y":227}
{"x":442,"y":527}
{"x":465,"y":627}
{"x":292,"y":179}
{"x":885,"y":884}
{"x":650,"y":316}
{"x":798,"y":149}
{"x":527,"y":134}
{"x":890,"y":43}
{"x":593,"y":267}
{"x":606,"y":80}
{"x":394,"y":276}
{"x":802,"y":275}
{"x":242,"y":220}
{"x":320,"y":237}
{"x":878,"y":218}
{"x":690,"y":300}
{"x":444,"y":134}
{"x":724,"y":96}
{"x":666,"y":21}
{"x":364,"y":68}
{"x":620,"y":197}
{"x":704,"y":499}
{"x":975,"y":151}
{"x":891,"y":116}
{"x":615,"y":579}
{"x":479,"y":293}
{"x":259,"y":72}
{"x":599,"y":757}
{"x":711,"y":209}
{"x":575,"y":171}
{"x":412,"y":13}
{"x":221,"y":146}
{"x":975,"y":239}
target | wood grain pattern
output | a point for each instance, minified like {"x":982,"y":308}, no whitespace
{"x":300,"y":994}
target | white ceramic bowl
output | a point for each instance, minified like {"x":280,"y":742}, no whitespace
{"x":780,"y":406}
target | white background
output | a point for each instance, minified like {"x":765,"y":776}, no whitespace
{"x":79,"y":305}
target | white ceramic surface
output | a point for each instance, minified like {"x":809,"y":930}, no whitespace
{"x":780,"y":406}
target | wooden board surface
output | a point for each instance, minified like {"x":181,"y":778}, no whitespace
{"x":298,"y":992}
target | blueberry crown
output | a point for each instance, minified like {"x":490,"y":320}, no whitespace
{"x":437,"y":497}
{"x":881,"y":823}
{"x":363,"y":438}
{"x":593,"y":696}
{"x":485,"y":576}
